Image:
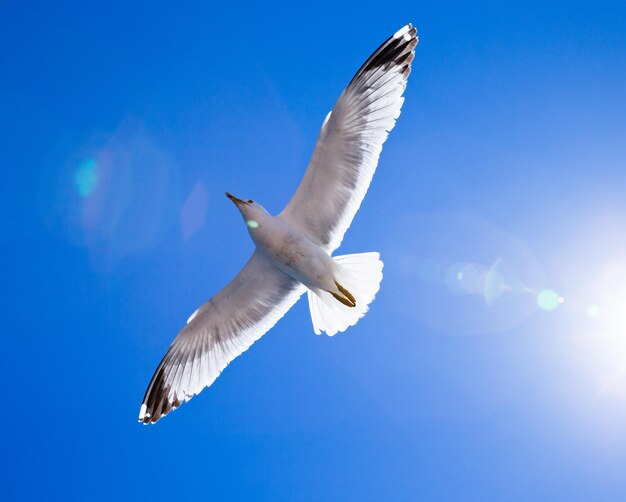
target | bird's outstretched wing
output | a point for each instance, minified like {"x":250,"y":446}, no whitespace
{"x":218,"y":332}
{"x":350,"y":142}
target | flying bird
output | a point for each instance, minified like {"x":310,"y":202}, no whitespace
{"x":294,"y":249}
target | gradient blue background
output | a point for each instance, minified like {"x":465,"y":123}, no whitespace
{"x":122,"y":126}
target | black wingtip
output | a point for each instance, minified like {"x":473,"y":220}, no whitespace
{"x":397,"y":50}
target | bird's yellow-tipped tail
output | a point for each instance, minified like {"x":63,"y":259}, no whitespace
{"x":358,"y":280}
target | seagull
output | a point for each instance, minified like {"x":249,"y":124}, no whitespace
{"x":294,"y":249}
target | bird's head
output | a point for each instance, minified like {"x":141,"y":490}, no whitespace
{"x":253,"y":213}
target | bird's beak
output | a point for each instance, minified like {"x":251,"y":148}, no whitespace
{"x":234,"y":199}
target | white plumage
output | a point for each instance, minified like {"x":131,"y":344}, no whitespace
{"x":360,"y":273}
{"x":350,"y":142}
{"x":293,"y":248}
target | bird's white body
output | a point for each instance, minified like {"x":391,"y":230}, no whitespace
{"x":289,"y":249}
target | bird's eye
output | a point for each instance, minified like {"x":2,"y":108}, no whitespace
{"x":250,"y":201}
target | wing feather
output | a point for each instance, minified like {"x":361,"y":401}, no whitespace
{"x":350,"y":141}
{"x":220,"y":330}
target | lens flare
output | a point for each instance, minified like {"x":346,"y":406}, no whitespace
{"x":115,"y":197}
{"x":193,"y":212}
{"x":501,"y":282}
{"x":86,"y":177}
{"x":486,"y":276}
{"x":593,"y":311}
{"x":549,"y":300}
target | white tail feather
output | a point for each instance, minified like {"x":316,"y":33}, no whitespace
{"x":360,"y":274}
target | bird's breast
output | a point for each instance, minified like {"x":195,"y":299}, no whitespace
{"x":296,"y":255}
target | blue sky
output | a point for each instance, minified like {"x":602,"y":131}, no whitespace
{"x":492,"y":365}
